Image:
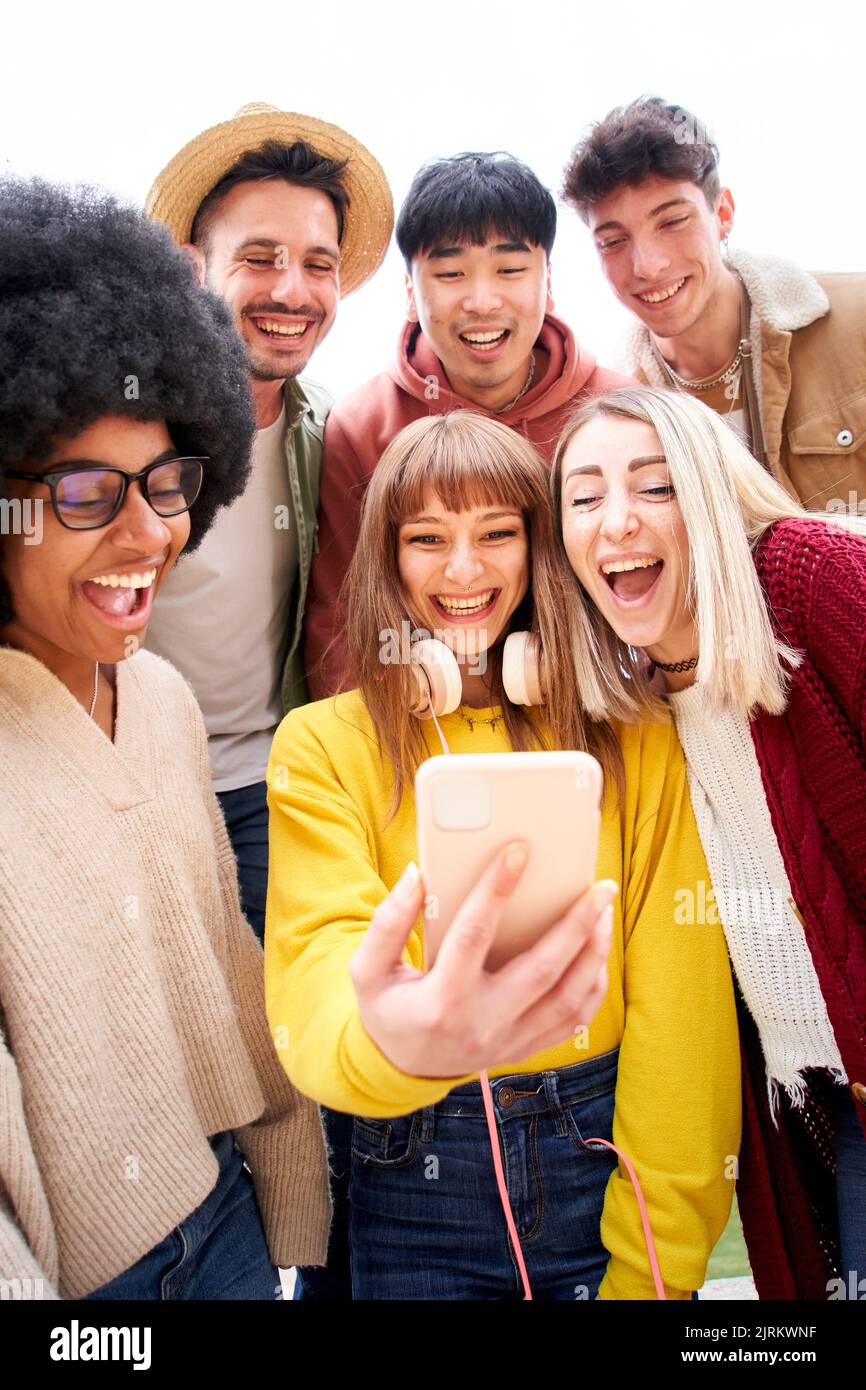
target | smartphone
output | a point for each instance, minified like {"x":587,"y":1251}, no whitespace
{"x":471,"y":805}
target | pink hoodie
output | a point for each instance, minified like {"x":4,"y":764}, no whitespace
{"x":361,"y":426}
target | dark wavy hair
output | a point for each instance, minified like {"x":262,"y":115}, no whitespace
{"x":93,"y":295}
{"x":634,"y":142}
{"x":298,"y":164}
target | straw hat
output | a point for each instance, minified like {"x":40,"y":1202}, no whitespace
{"x":177,"y":193}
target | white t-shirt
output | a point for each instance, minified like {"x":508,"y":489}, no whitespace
{"x":222,"y":613}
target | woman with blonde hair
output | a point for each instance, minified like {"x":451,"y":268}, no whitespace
{"x":704,"y":588}
{"x":457,"y":537}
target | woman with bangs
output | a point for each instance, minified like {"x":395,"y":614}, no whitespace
{"x":457,"y":540}
{"x":706,"y":590}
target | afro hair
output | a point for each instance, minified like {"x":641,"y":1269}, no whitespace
{"x":101,"y":314}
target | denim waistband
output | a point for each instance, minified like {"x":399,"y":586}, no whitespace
{"x":532,"y":1093}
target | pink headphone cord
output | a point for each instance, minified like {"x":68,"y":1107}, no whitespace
{"x":509,"y":1215}
{"x":497,"y":1157}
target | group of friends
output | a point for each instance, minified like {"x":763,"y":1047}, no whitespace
{"x":209,"y":729}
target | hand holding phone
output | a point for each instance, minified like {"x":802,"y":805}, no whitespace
{"x":459,"y":1018}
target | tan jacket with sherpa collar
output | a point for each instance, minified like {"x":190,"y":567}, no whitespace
{"x":809,"y":349}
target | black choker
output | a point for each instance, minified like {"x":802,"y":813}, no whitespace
{"x":677,"y":666}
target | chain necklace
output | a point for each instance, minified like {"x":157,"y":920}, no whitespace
{"x":724,"y":377}
{"x":472,"y":719}
{"x":95,"y":689}
{"x":523,"y":390}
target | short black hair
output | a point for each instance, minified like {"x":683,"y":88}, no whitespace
{"x":100,"y":314}
{"x":648,"y":137}
{"x":468,"y":198}
{"x":297,"y":164}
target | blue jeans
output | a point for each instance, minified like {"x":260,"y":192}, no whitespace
{"x":218,"y":1252}
{"x":851,"y":1190}
{"x":426,"y":1220}
{"x":246,"y":815}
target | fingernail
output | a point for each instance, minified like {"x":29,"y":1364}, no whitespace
{"x":603,"y":894}
{"x":605,"y":923}
{"x":516,"y":857}
{"x":406,"y":886}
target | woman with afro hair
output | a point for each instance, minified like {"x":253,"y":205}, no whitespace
{"x":137,"y":1072}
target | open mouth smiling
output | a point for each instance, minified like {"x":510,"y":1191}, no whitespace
{"x":484,"y":341}
{"x":663,"y":294}
{"x":122,"y":598}
{"x":633,"y":578}
{"x":463,"y":609}
{"x":279,"y":331}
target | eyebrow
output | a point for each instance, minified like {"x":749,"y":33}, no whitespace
{"x":662,"y":207}
{"x":100,"y":463}
{"x":502,"y":248}
{"x":438,"y":520}
{"x":634,"y":465}
{"x":273,"y":245}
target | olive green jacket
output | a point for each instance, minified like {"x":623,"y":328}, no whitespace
{"x":808,"y":337}
{"x":307,"y":407}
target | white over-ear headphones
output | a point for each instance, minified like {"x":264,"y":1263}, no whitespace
{"x":438,"y":686}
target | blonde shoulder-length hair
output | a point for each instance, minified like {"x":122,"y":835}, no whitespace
{"x":727,"y":501}
{"x":467,"y":460}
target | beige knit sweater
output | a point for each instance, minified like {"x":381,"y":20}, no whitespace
{"x":132,"y":992}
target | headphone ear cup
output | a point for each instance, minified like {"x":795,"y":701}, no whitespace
{"x":436,"y":678}
{"x":522,"y":669}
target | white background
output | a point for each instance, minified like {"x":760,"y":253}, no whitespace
{"x":108,"y":92}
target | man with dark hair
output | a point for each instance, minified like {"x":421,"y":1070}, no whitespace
{"x":781,"y":353}
{"x":283,"y":215}
{"x":476,"y":233}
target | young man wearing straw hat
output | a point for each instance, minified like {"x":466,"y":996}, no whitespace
{"x":284,"y":215}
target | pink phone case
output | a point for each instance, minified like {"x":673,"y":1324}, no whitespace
{"x":471,"y":805}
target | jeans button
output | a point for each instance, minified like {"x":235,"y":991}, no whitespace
{"x":505,"y":1096}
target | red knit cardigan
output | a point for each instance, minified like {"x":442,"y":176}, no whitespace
{"x":813,"y":766}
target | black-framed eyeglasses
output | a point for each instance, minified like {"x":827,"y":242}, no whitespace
{"x":85,"y":496}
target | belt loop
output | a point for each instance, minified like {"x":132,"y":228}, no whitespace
{"x":551,"y":1095}
{"x":428,"y":1124}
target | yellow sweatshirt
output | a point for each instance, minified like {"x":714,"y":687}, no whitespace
{"x":669,"y":1006}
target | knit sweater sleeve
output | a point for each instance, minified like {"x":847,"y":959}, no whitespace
{"x":20,"y":1271}
{"x":677,"y":1113}
{"x":323,"y":888}
{"x":814,"y":576}
{"x":285,"y":1145}
{"x":28,"y":1247}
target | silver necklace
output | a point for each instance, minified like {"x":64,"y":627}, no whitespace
{"x":727,"y":375}
{"x":523,"y":390}
{"x":95,"y":689}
